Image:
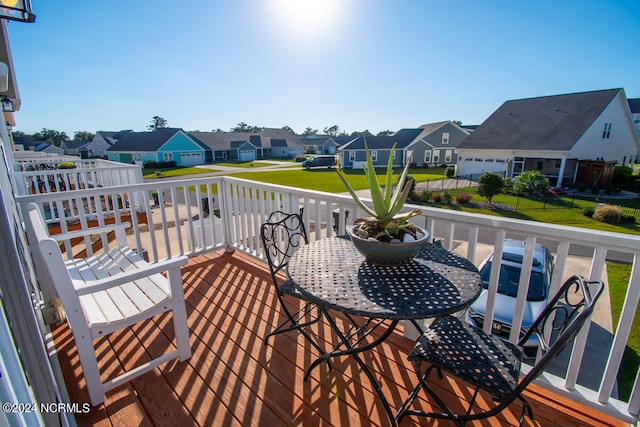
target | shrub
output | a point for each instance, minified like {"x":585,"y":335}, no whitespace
{"x":447,"y":197}
{"x":507,"y":185}
{"x":589,"y":211}
{"x":622,"y":175}
{"x":299,"y":159}
{"x":425,"y":166}
{"x":629,"y":219}
{"x":531,"y":182}
{"x":425,"y":196}
{"x":413,"y":196}
{"x":608,"y":213}
{"x":436,"y":197}
{"x":463,"y":198}
{"x":449,"y":172}
{"x":413,"y":182}
{"x":413,"y":165}
{"x":67,"y":165}
{"x":489,"y":185}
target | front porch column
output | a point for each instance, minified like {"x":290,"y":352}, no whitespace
{"x":563,"y":164}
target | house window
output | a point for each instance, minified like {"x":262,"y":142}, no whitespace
{"x":436,"y":156}
{"x":427,"y":156}
{"x":447,"y":156}
{"x":352,"y":156}
{"x":137,"y":156}
{"x":607,"y":131}
{"x":374,"y":156}
{"x":445,"y":138}
{"x":557,"y":164}
{"x":167,"y":157}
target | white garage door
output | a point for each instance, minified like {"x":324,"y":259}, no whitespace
{"x":478,"y":166}
{"x":189,"y":159}
{"x":247,"y":155}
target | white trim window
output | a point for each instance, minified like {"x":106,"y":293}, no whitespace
{"x":447,"y":156}
{"x":445,"y":138}
{"x":167,"y":157}
{"x":352,"y":156}
{"x":374,"y":156}
{"x":427,"y":156}
{"x":606,"y":133}
{"x":137,"y":156}
{"x":436,"y":156}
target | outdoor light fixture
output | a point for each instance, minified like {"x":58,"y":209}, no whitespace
{"x":17,"y":10}
{"x":7,"y":104}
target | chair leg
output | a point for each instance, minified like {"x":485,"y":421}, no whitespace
{"x":90,"y":370}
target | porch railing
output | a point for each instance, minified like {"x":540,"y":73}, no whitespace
{"x":189,"y":217}
{"x":43,"y":176}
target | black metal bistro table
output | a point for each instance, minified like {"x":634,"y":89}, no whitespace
{"x":334,"y":275}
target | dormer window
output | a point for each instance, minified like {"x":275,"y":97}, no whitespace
{"x":607,"y":131}
{"x":445,"y":138}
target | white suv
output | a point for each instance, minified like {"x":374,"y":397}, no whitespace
{"x":537,"y":296}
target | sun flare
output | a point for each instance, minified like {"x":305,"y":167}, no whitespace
{"x":306,"y":17}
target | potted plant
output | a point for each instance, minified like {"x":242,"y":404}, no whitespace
{"x":386,"y":236}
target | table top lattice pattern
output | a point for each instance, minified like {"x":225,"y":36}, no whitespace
{"x":333,"y":273}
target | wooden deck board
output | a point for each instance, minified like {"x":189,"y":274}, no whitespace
{"x":234,"y":379}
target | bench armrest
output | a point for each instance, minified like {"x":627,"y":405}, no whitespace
{"x":90,"y":231}
{"x":128,"y":276}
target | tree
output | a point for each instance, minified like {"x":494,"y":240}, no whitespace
{"x":157,"y":122}
{"x":362,"y":133}
{"x":531,"y":182}
{"x":83,"y":136}
{"x":243,"y":127}
{"x":53,"y":137}
{"x":332,"y":130}
{"x":457,"y":122}
{"x":490,"y":184}
{"x":289,"y":129}
{"x":384,"y":133}
{"x":218,"y":130}
{"x":308,"y":132}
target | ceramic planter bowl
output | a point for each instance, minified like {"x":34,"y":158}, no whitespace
{"x":384,"y":253}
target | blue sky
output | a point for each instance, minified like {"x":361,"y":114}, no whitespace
{"x":359,"y":64}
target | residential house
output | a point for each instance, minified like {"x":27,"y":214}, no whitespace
{"x":246,"y":146}
{"x":324,"y":144}
{"x":161,"y":145}
{"x":101,"y":142}
{"x":73,"y":147}
{"x":436,"y":144}
{"x":352,"y":155}
{"x":552,"y":134}
{"x":634,"y":106}
{"x":22,"y":143}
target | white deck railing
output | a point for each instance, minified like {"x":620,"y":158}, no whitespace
{"x":174,"y":212}
{"x":43,"y":176}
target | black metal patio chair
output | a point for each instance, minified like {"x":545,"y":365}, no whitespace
{"x":488,"y":363}
{"x":281,"y":234}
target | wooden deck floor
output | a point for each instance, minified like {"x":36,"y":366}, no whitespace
{"x":233,"y":379}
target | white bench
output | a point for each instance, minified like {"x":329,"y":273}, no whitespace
{"x":107,"y":292}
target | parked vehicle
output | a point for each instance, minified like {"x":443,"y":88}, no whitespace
{"x":510,"y":269}
{"x":319,"y":161}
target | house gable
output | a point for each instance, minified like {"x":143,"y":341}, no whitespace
{"x":545,"y":123}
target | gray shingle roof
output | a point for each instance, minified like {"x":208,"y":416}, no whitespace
{"x":544,"y":123}
{"x":401,"y":138}
{"x":634,"y":105}
{"x":143,"y":141}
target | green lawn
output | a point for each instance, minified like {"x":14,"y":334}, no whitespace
{"x":556,"y":212}
{"x":173,"y":172}
{"x":618,"y":275}
{"x":327,"y":179}
{"x":242,"y":164}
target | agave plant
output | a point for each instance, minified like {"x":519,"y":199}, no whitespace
{"x":385,"y":222}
